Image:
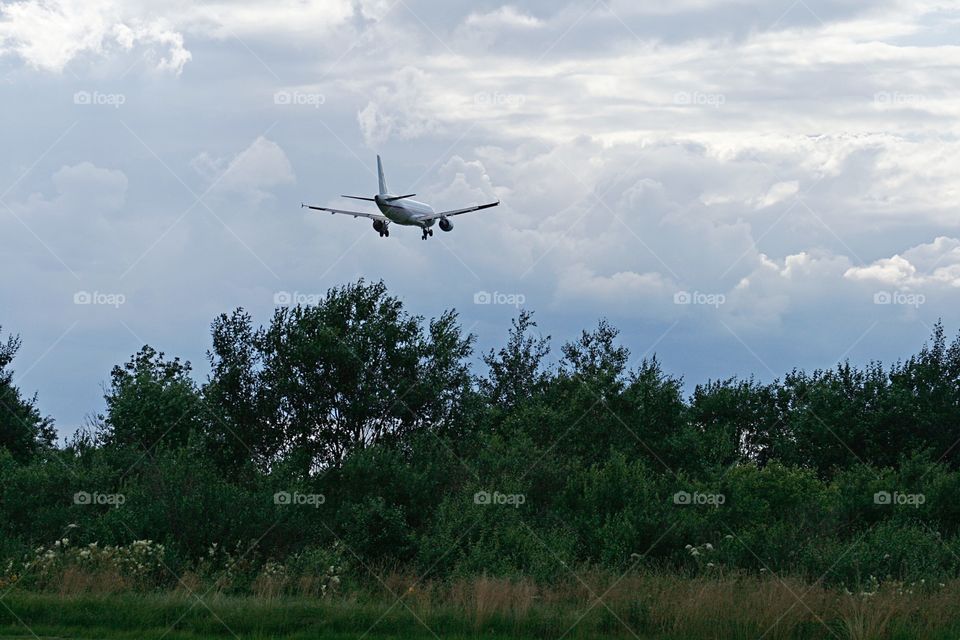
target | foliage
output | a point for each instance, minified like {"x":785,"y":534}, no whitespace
{"x":351,"y":439}
{"x":24,"y":432}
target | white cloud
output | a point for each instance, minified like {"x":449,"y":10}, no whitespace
{"x":648,"y":295}
{"x":400,"y":109}
{"x":251,"y":173}
{"x":49,"y":35}
{"x":934,"y":263}
{"x":698,"y":145}
{"x":506,"y":16}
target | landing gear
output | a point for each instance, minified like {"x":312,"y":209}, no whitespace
{"x":426,"y":232}
{"x":385,"y":233}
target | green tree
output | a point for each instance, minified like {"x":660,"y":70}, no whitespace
{"x":152,"y":400}
{"x":354,"y":370}
{"x":236,"y":432}
{"x":516,"y":372}
{"x":24,"y":432}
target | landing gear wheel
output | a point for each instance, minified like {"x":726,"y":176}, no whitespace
{"x":430,"y":233}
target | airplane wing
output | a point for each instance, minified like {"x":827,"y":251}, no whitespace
{"x":456,"y":212}
{"x":355,"y":214}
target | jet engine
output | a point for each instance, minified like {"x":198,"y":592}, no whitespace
{"x":380,"y":226}
{"x":446,"y":225}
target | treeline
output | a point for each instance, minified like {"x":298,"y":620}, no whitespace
{"x":356,"y":431}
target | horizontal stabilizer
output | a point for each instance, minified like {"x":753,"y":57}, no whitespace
{"x":359,"y":198}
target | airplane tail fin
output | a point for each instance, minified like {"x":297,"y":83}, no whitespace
{"x":383,"y":181}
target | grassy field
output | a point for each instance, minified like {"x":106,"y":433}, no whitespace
{"x":652,"y":606}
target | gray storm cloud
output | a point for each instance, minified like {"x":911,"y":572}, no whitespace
{"x":717,"y":177}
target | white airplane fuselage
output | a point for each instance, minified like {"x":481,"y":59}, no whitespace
{"x":405,"y":212}
{"x":401,"y":210}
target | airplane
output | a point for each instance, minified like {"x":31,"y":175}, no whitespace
{"x":402,"y":211}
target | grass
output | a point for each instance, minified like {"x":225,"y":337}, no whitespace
{"x":649,"y":606}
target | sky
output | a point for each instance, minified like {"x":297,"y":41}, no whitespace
{"x":741,"y":187}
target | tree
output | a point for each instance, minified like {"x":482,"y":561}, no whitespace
{"x":516,"y":370}
{"x":151,"y":401}
{"x":24,"y":432}
{"x":322,"y":381}
{"x":236,"y":432}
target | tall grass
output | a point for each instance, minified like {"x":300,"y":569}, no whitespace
{"x":648,"y":604}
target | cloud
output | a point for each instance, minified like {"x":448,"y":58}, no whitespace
{"x":92,"y":186}
{"x":78,"y":228}
{"x":399,"y":109}
{"x":252,"y":173}
{"x":931,"y":264}
{"x":795,"y":162}
{"x":49,"y":35}
{"x":506,"y":16}
{"x":647,"y":295}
